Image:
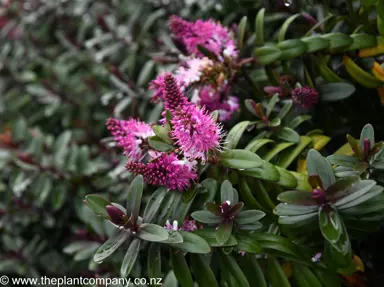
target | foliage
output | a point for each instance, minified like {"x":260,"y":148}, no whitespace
{"x":215,"y":152}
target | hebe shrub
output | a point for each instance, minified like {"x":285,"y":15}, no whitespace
{"x":208,"y":140}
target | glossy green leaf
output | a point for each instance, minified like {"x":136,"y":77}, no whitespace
{"x":284,"y":209}
{"x":375,"y":191}
{"x":241,"y":31}
{"x":154,"y":204}
{"x":135,"y":192}
{"x":267,"y":172}
{"x":297,"y":197}
{"x":247,"y":197}
{"x":299,"y":120}
{"x":343,"y":160}
{"x":152,"y":232}
{"x":181,"y":269}
{"x":277,"y":149}
{"x":247,"y":244}
{"x":285,"y":109}
{"x":362,"y":41}
{"x":330,"y":92}
{"x":291,"y":49}
{"x":209,"y":235}
{"x":154,"y":262}
{"x":287,"y":179}
{"x":271,"y":105}
{"x":255,"y":144}
{"x":111,"y":245}
{"x":205,"y":216}
{"x":235,"y":134}
{"x":130,"y":258}
{"x":224,"y":231}
{"x":240,"y":159}
{"x":318,"y":165}
{"x":276,"y":274}
{"x":158,"y":144}
{"x":97,"y":204}
{"x":249,"y":216}
{"x":259,"y":27}
{"x":163,"y":133}
{"x":253,"y":271}
{"x":289,"y":134}
{"x":316,"y":43}
{"x":267,"y":54}
{"x":228,"y":193}
{"x":202,"y":271}
{"x":304,"y":277}
{"x":355,"y":191}
{"x":173,"y":237}
{"x":298,"y":220}
{"x":192,"y":243}
{"x":338,"y":40}
{"x":330,"y":224}
{"x":285,"y":26}
{"x":234,"y":270}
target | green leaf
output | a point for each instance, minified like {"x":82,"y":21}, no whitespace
{"x":205,"y":216}
{"x":202,"y":271}
{"x":249,"y":216}
{"x":369,"y":133}
{"x":253,"y":271}
{"x":247,"y":196}
{"x":277,"y":149}
{"x":316,"y":43}
{"x":145,"y":73}
{"x":163,"y":133}
{"x":173,"y":237}
{"x":234,"y":270}
{"x":181,"y":269}
{"x":298,"y":220}
{"x":289,"y":135}
{"x":276,"y":274}
{"x":267,"y":172}
{"x":267,"y":54}
{"x":285,"y":26}
{"x":287,"y":179}
{"x":158,"y":144}
{"x":135,"y":192}
{"x":247,"y":244}
{"x":375,"y":191}
{"x":343,"y":160}
{"x":235,"y":134}
{"x":330,"y":224}
{"x":130,"y":258}
{"x":60,"y":148}
{"x":329,"y":279}
{"x":289,"y":155}
{"x":285,"y":109}
{"x":152,"y":232}
{"x":380,"y":17}
{"x":339,"y":254}
{"x":355,"y":191}
{"x":241,"y":31}
{"x":362,"y":41}
{"x":209,"y":235}
{"x":291,"y":49}
{"x":181,"y":207}
{"x":259,"y":27}
{"x":240,"y":159}
{"x":192,"y":243}
{"x":299,"y":120}
{"x":228,"y":193}
{"x":303,"y":276}
{"x":154,"y":262}
{"x":318,"y":165}
{"x":97,"y":204}
{"x":154,"y":204}
{"x":111,"y":245}
{"x":283,"y":209}
{"x":224,"y":232}
{"x":297,"y":197}
{"x":338,"y":40}
{"x":330,"y":92}
{"x":271,"y":104}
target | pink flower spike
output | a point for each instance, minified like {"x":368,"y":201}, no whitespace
{"x":166,"y":170}
{"x":192,"y":70}
{"x":195,"y":132}
{"x":209,"y":34}
{"x":131,"y":135}
{"x":305,"y":97}
{"x":173,"y":97}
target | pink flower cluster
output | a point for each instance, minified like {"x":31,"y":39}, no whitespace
{"x":195,"y":134}
{"x":209,"y":34}
{"x":209,"y":79}
{"x":187,"y":225}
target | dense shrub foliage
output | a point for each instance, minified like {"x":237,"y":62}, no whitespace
{"x":206,"y":143}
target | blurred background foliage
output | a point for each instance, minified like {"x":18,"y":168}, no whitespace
{"x":68,"y":65}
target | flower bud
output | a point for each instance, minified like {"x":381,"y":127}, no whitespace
{"x":116,"y":214}
{"x":225,"y":207}
{"x":367,"y":147}
{"x":318,"y":195}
